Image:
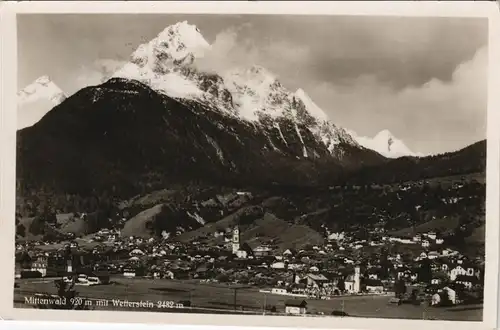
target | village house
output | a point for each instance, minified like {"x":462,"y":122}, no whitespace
{"x":452,"y":294}
{"x":241,"y":254}
{"x":433,"y":255}
{"x":373,"y":286}
{"x":336,"y":236}
{"x":314,"y":269}
{"x":460,"y":270}
{"x":262,"y":251}
{"x":296,"y":266}
{"x":448,"y":252}
{"x":278,"y":265}
{"x":402,"y":272}
{"x":447,"y":292}
{"x":467,"y":281}
{"x":431,"y":235}
{"x":348,"y":261}
{"x":136,"y":252}
{"x":373,"y":273}
{"x":295,"y":307}
{"x":219,"y":233}
{"x":316,"y":280}
{"x":129,"y":272}
{"x":40,"y":265}
{"x":279,"y":291}
{"x":401,"y":240}
{"x":287,"y":253}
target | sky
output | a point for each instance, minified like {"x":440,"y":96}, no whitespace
{"x":424,"y":79}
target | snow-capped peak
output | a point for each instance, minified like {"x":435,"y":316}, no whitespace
{"x":164,"y":64}
{"x":36,"y":99}
{"x":385,"y":144}
{"x":179,"y":42}
{"x":311,"y":107}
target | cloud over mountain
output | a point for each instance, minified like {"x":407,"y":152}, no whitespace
{"x":97,"y":72}
{"x":460,"y":100}
{"x":384,"y":73}
{"x":415,"y":114}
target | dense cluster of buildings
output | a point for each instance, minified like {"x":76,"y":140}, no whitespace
{"x":339,"y":267}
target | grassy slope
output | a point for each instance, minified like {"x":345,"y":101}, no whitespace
{"x":442,"y":224}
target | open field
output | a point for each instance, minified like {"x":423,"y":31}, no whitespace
{"x":223,"y":298}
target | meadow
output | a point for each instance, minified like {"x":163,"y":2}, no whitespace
{"x":220,"y":298}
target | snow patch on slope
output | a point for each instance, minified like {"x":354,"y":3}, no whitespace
{"x":311,"y":107}
{"x":256,"y":90}
{"x":218,"y":150}
{"x":196,"y":217}
{"x":304,"y":150}
{"x":277,"y":126}
{"x":172,"y":84}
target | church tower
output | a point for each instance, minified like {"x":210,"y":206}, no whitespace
{"x":357,"y":280}
{"x":69,"y":266}
{"x":68,"y":256}
{"x":236,"y":239}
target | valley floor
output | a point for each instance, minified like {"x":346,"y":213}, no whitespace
{"x":219,"y":298}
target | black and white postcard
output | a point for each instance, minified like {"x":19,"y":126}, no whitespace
{"x":322,"y":164}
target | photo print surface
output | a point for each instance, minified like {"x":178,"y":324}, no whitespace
{"x":273,"y":165}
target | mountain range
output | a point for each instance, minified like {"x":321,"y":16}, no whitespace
{"x":161,"y":121}
{"x":167,"y":64}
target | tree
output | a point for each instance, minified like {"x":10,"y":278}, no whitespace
{"x":341,"y":285}
{"x":308,"y":247}
{"x":222,"y":278}
{"x":21,"y":230}
{"x":399,"y":288}
{"x":414,"y":295}
{"x":385,"y":264}
{"x":24,"y":259}
{"x":425,"y":271}
{"x":37,"y":226}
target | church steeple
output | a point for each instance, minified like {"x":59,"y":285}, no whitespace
{"x":236,"y":239}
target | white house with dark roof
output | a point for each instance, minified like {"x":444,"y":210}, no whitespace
{"x":374,"y":286}
{"x":295,"y":307}
{"x":316,"y":280}
{"x":461,"y":270}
